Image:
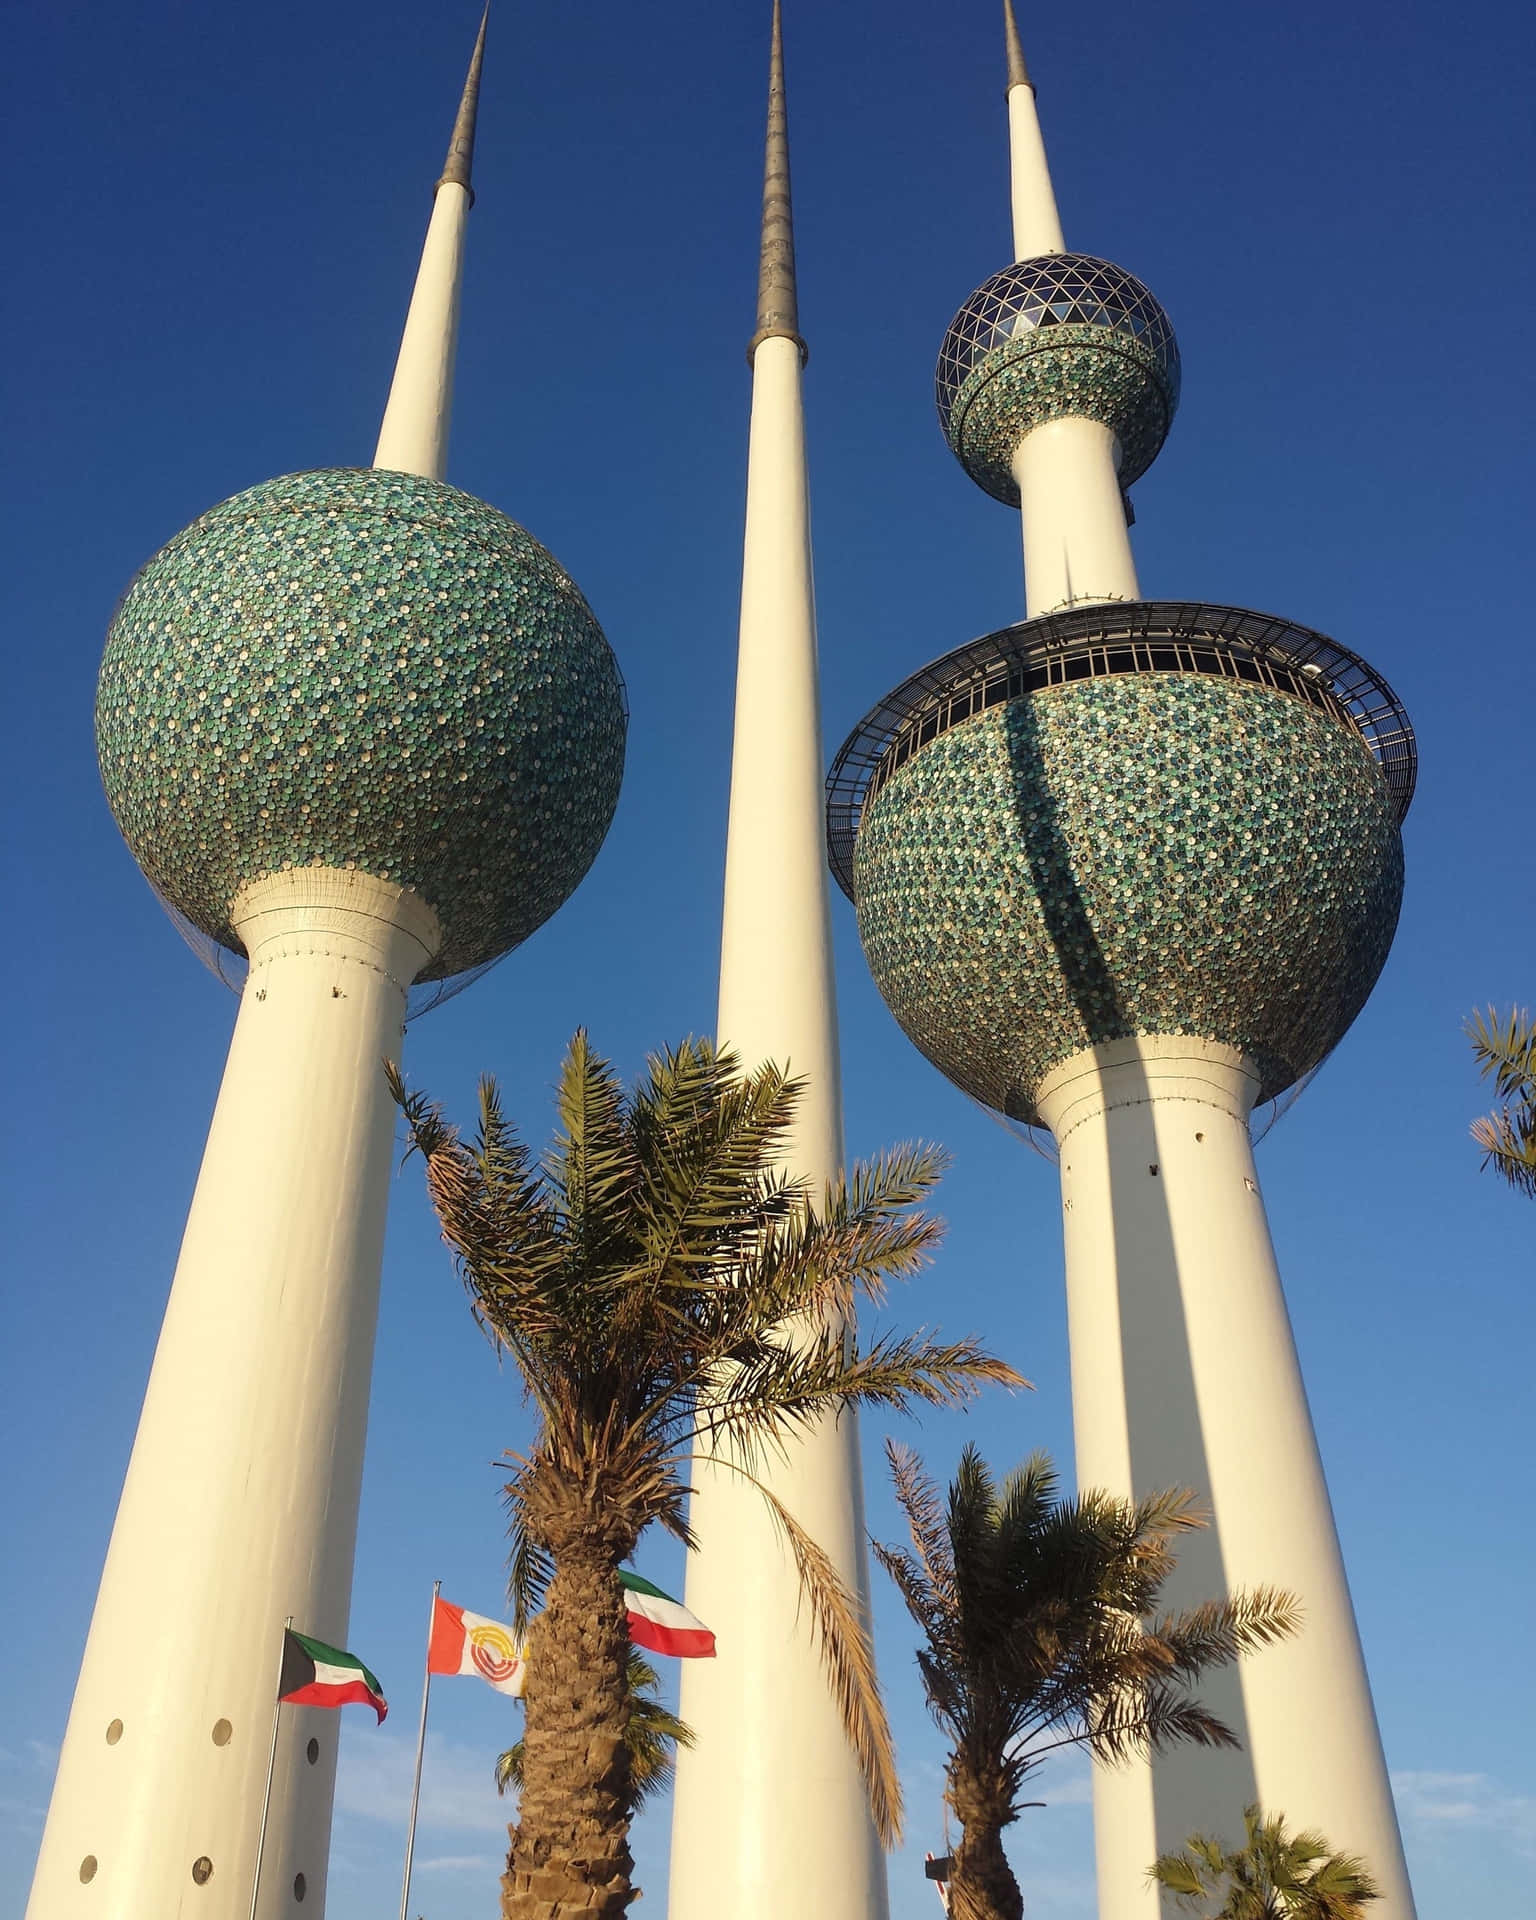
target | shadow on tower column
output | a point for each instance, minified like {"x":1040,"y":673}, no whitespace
{"x":1166,"y":1442}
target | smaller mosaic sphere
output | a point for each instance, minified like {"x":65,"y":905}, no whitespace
{"x":371,"y":671}
{"x":1147,"y":853}
{"x":1063,"y":336}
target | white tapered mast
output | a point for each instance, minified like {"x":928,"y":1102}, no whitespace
{"x":414,"y":434}
{"x":1036,"y":223}
{"x":770,"y":1816}
{"x":1077,"y":546}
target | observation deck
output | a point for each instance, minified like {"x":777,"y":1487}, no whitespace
{"x":1092,"y":642}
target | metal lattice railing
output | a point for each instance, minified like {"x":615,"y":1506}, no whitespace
{"x":1086,"y":643}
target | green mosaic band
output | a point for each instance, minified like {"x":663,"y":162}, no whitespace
{"x":1059,"y":373}
{"x":1143,"y":853}
{"x":365,"y":670}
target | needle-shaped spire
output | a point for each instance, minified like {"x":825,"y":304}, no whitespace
{"x":414,"y":434}
{"x":1018,"y":71}
{"x":461,"y":148}
{"x":778,"y":309}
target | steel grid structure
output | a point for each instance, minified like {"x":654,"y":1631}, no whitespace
{"x":1087,"y":643}
{"x":1056,"y":290}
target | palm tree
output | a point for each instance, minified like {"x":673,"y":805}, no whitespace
{"x":1507,"y":1050}
{"x":1040,"y":1631}
{"x":1273,"y":1876}
{"x":659,"y":1282}
{"x":650,"y":1736}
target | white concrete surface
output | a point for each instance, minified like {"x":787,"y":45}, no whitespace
{"x":240,"y":1504}
{"x":414,"y":434}
{"x":1077,"y":546}
{"x":1036,"y":223}
{"x":1184,"y":1373}
{"x":770,"y":1816}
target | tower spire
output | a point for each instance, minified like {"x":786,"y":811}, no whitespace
{"x":1036,"y":223}
{"x":778,"y":307}
{"x":808,"y":1848}
{"x":1018,"y":72}
{"x":414,"y":435}
{"x":461,"y":148}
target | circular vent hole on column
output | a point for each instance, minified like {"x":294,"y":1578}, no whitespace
{"x":312,"y":1752}
{"x":221,"y":1733}
{"x":114,"y":1732}
{"x":300,"y":1886}
{"x":202,"y":1870}
{"x":88,"y":1869}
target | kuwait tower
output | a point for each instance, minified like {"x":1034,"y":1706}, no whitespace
{"x":770,"y":1816}
{"x":1122,"y":871}
{"x":362,"y":729}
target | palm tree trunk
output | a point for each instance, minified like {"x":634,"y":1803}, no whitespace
{"x":570,"y":1848}
{"x":981,"y":1886}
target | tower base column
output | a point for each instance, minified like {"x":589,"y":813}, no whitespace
{"x":240,"y":1504}
{"x":1077,"y":547}
{"x":1184,"y":1374}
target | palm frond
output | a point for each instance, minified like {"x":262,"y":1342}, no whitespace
{"x":1508,"y":1141}
{"x":591,"y":1162}
{"x":1505,"y":1047}
{"x":1221,"y":1631}
{"x":1505,"y":1050}
{"x":784,"y":1388}
{"x":918,"y":1498}
{"x":847,"y":1653}
{"x":529,"y":1566}
{"x":1274,"y":1873}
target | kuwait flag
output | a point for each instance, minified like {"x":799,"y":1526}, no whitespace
{"x":658,"y":1622}
{"x":465,"y":1642}
{"x":315,"y":1675}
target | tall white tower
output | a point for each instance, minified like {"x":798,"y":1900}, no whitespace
{"x":1125,"y":870}
{"x":770,"y":1816}
{"x":362,"y":729}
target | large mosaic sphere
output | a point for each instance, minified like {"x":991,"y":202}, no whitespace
{"x":1147,"y":852}
{"x":1062,"y":336}
{"x":365,"y":670}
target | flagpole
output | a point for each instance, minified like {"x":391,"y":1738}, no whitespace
{"x":266,"y":1798}
{"x":421,"y":1742}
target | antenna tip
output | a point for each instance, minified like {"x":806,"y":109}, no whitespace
{"x":458,"y":166}
{"x":778,"y":308}
{"x":1018,"y":71}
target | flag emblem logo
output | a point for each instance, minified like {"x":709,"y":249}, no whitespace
{"x":465,"y":1642}
{"x":493,"y":1650}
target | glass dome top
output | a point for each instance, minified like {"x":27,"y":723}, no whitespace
{"x":1057,"y":289}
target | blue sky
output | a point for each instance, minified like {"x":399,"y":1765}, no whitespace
{"x":214,"y":221}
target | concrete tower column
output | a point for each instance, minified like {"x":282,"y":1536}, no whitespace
{"x":1184,"y":1373}
{"x":240,"y":1505}
{"x":770,"y":1815}
{"x":1077,"y":546}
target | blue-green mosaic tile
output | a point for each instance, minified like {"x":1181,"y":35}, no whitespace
{"x":1144,"y":853}
{"x":1059,"y":373}
{"x":366,"y":670}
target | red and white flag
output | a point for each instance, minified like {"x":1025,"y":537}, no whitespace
{"x":464,"y":1642}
